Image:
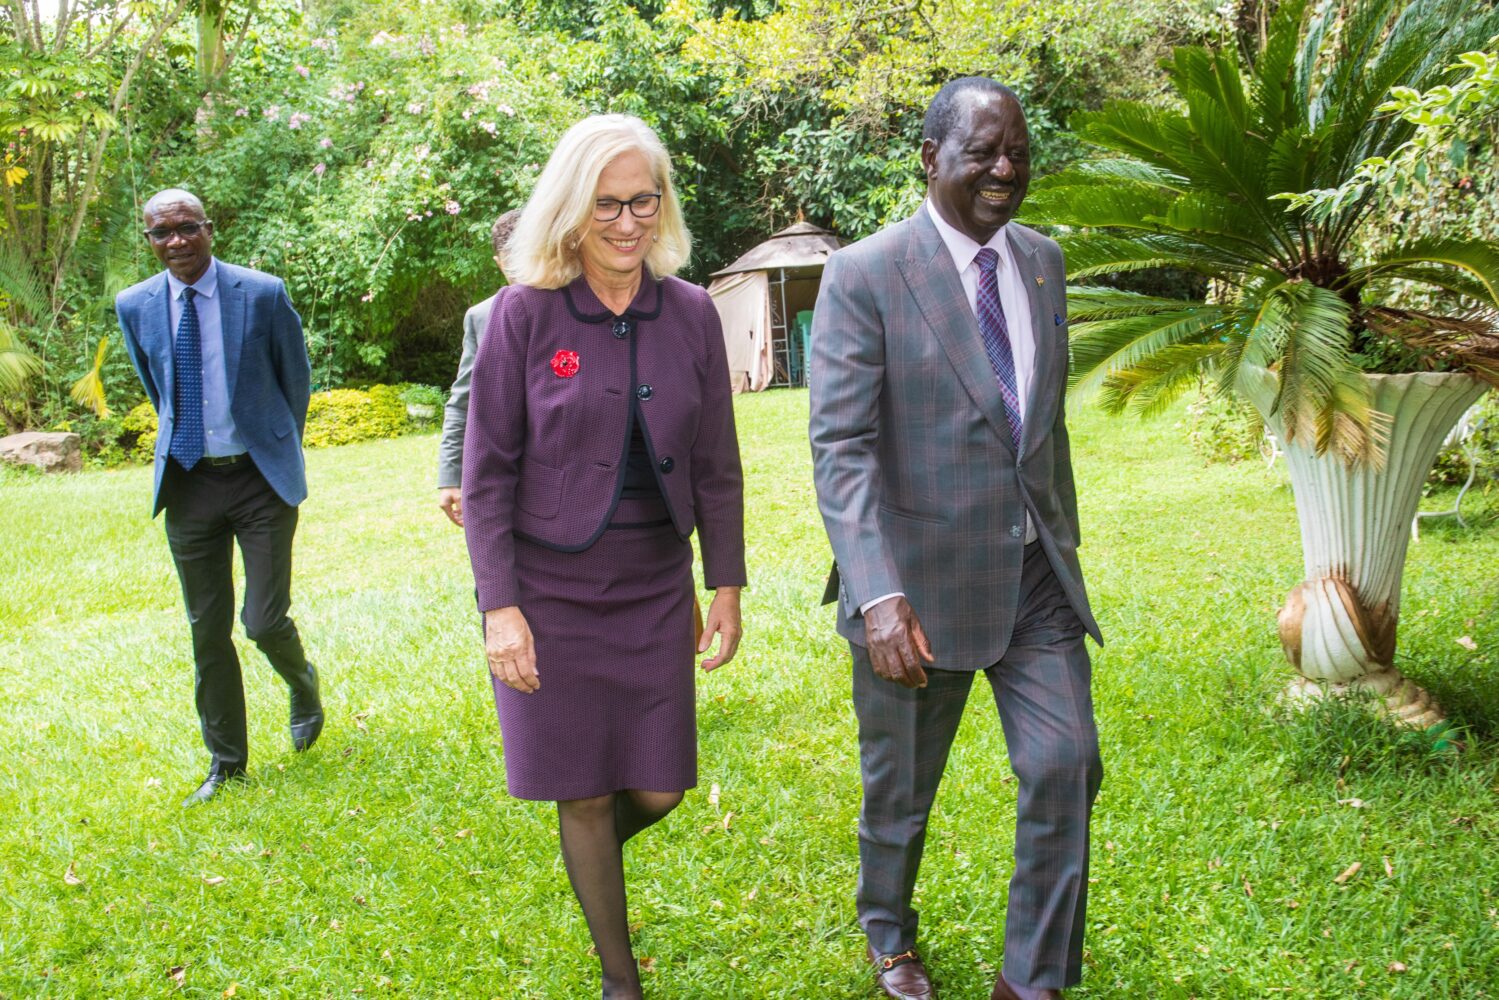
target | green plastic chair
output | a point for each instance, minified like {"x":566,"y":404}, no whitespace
{"x":804,"y":344}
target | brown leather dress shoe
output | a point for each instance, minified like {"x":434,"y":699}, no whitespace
{"x":1004,"y":991}
{"x":902,"y":976}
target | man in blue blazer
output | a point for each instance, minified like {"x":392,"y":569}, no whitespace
{"x":220,"y":352}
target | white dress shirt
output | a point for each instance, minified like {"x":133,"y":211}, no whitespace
{"x":1016,"y":303}
{"x":220,"y":436}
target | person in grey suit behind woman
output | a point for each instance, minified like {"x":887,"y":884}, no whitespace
{"x":455,"y":412}
{"x":944,"y":476}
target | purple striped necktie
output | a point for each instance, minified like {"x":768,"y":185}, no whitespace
{"x":996,"y":334}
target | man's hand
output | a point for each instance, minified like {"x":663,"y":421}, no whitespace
{"x":510,"y":650}
{"x":723,"y":619}
{"x":897,"y":643}
{"x":450,"y":499}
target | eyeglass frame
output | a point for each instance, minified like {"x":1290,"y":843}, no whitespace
{"x":169,"y":232}
{"x":619,"y":209}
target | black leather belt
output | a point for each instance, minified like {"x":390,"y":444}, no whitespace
{"x":222,"y":460}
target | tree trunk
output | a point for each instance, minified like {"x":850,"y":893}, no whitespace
{"x":213,"y":57}
{"x":1338,"y":626}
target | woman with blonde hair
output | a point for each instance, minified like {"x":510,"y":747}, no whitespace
{"x":600,"y":435}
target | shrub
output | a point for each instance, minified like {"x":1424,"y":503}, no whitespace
{"x":1452,"y":464}
{"x":343,"y":416}
{"x":1223,"y":428}
{"x":138,"y":432}
{"x":98,"y":438}
{"x":423,"y":395}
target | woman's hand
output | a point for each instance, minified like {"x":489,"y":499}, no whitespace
{"x":512,"y":653}
{"x":723,"y":620}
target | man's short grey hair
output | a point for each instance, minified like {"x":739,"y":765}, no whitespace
{"x":172,"y":196}
{"x":946,"y":108}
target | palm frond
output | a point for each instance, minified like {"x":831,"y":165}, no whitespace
{"x":1154,"y":135}
{"x":1437,"y":276}
{"x":1092,"y":303}
{"x":1387,"y":43}
{"x":1302,"y":331}
{"x":1149,"y":387}
{"x":17,"y":363}
{"x":1118,"y":206}
{"x":1201,"y":212}
{"x":1089,"y":173}
{"x":1278,"y":104}
{"x":1091,"y":254}
{"x":1101,"y":349}
{"x":1469,"y":342}
{"x":1322,"y":21}
{"x":1299,"y":159}
{"x":89,"y":390}
{"x":20,"y":283}
{"x":1477,"y":260}
{"x":1211,"y":79}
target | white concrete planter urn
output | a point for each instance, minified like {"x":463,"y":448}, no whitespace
{"x":1338,"y":625}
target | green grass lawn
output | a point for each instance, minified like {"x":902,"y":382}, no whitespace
{"x":389,"y":861}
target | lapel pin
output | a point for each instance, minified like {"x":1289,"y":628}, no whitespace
{"x":1040,"y":281}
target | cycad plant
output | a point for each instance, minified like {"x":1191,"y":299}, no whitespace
{"x":1296,"y":318}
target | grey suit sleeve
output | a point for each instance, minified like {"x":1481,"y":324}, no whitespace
{"x":1066,"y":486}
{"x":455,"y":413}
{"x":848,"y":371}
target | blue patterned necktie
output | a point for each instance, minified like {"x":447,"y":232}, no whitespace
{"x":187,"y":386}
{"x":996,"y":334}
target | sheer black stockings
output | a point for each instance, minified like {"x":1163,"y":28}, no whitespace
{"x":594,"y":832}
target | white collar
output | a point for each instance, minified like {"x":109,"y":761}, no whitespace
{"x":206,"y":285}
{"x":963,"y":247}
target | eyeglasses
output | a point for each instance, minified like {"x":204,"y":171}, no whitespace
{"x":161,"y":234}
{"x":642,"y":206}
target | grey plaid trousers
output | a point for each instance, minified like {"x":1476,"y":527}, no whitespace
{"x":1041,"y":686}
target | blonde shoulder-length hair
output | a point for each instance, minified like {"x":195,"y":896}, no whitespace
{"x":542,"y":250}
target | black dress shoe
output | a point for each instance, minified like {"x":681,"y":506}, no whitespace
{"x":210,"y":787}
{"x":902,"y":976}
{"x":306,"y":713}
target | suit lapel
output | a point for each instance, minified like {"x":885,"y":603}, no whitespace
{"x":232,"y":324}
{"x":1041,"y":399}
{"x":933,"y":280}
{"x":158,"y":327}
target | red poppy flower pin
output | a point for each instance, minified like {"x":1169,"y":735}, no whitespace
{"x":565,"y":363}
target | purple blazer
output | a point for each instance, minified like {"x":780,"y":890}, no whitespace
{"x":548,"y":413}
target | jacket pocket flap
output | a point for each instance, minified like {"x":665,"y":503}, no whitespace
{"x":538,"y":489}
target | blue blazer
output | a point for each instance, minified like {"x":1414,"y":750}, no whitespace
{"x":269,"y":377}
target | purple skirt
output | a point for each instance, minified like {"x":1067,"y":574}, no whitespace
{"x":614,"y":653}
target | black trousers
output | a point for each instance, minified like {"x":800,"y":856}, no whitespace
{"x":208,"y":509}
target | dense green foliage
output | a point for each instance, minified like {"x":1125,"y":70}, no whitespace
{"x":361,"y":150}
{"x":1218,"y":185}
{"x":390,"y":861}
{"x":344,"y":416}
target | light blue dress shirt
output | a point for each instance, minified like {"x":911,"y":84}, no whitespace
{"x":220,"y":437}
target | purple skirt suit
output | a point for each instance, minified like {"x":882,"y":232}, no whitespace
{"x":601,"y":568}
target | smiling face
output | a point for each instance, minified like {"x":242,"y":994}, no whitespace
{"x":978,"y":174}
{"x":187,"y":257}
{"x":616,"y":250}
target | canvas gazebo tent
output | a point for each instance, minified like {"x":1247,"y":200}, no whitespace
{"x":758,"y":298}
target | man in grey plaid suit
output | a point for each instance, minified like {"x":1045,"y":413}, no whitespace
{"x":939,"y":362}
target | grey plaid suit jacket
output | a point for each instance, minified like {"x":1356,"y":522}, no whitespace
{"x":919,"y":484}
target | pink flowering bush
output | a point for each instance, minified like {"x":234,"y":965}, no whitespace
{"x":377,"y":216}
